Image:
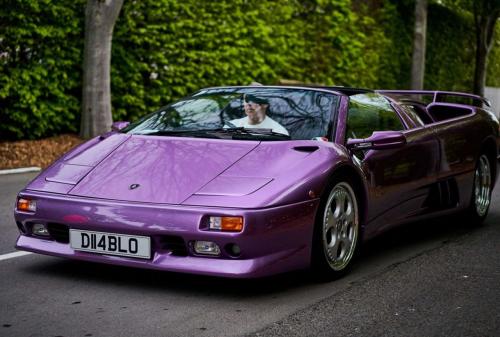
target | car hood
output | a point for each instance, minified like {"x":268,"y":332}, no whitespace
{"x":191,"y":171}
{"x":160,"y":169}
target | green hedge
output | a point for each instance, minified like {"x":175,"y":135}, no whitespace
{"x":41,"y":45}
{"x":449,"y":53}
{"x":493,"y":78}
{"x":165,"y":49}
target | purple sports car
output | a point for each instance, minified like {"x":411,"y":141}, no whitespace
{"x":258,"y":180}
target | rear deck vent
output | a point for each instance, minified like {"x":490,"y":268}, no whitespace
{"x":59,"y":232}
{"x":175,"y":244}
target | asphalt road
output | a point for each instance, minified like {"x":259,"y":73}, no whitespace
{"x":437,"y":278}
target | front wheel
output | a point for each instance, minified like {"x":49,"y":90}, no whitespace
{"x":337,"y":231}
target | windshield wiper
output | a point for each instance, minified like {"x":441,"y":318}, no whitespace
{"x":192,"y":133}
{"x":267,"y":132}
{"x":235,"y":132}
{"x":245,"y":133}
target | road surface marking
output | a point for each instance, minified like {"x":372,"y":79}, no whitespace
{"x":13,"y":255}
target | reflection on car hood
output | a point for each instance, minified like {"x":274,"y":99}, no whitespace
{"x":192,"y":171}
{"x":160,"y":169}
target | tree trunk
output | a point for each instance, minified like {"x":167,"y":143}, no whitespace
{"x":481,"y":62}
{"x":418,"y":58}
{"x":100,"y":18}
{"x":486,"y":14}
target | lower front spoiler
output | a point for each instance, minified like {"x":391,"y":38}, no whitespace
{"x":275,"y":263}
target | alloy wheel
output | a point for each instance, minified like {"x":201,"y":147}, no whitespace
{"x":482,"y":186}
{"x":340,"y":226}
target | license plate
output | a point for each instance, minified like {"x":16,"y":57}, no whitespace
{"x":111,"y":243}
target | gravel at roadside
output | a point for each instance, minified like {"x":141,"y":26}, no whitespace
{"x":40,"y":153}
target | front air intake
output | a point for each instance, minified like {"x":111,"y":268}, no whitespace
{"x":59,"y":232}
{"x":175,"y":244}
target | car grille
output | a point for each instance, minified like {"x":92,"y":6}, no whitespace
{"x":175,"y":244}
{"x":59,"y":232}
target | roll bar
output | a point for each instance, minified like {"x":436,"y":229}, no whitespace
{"x":437,"y":95}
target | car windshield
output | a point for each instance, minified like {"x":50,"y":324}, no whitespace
{"x":244,"y":113}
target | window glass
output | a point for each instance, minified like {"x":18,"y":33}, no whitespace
{"x":299,"y":113}
{"x":368,"y":113}
{"x":413,"y":114}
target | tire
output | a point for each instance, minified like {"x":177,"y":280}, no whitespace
{"x":337,"y":231}
{"x":481,"y":191}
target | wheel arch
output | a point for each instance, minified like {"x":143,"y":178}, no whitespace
{"x":359,"y":186}
{"x":345,"y":171}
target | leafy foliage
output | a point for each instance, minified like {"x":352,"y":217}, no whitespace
{"x":451,"y":64}
{"x":166,"y":49}
{"x":493,"y":78}
{"x":40,"y":52}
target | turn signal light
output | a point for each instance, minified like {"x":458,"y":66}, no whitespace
{"x":26,"y":205}
{"x":226,"y":223}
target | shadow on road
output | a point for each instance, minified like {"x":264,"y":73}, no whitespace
{"x":443,"y":229}
{"x":406,"y":241}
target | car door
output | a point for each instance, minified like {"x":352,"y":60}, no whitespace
{"x":458,"y":133}
{"x":457,"y":137}
{"x":399,"y":179}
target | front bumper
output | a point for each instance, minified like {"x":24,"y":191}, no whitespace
{"x":274,"y":240}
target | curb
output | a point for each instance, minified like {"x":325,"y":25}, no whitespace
{"x":21,"y":170}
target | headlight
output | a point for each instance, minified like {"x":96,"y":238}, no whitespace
{"x":206,"y":248}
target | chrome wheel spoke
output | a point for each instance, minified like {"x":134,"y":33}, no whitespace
{"x":341,"y":200}
{"x":347,"y":241}
{"x":334,"y":248}
{"x":482,"y":186}
{"x":330,"y":219}
{"x":350,"y":216}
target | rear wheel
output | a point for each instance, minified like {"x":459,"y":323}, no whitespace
{"x":481,"y":193}
{"x":337,"y":231}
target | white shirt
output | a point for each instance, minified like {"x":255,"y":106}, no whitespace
{"x":267,"y":123}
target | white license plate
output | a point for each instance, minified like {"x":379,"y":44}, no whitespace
{"x":111,"y":243}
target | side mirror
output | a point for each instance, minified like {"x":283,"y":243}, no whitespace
{"x":379,"y":140}
{"x":117,"y":126}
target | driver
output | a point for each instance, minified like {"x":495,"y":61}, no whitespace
{"x":256,"y":115}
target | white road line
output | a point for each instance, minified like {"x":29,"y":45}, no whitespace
{"x":13,"y":255}
{"x":21,"y":170}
